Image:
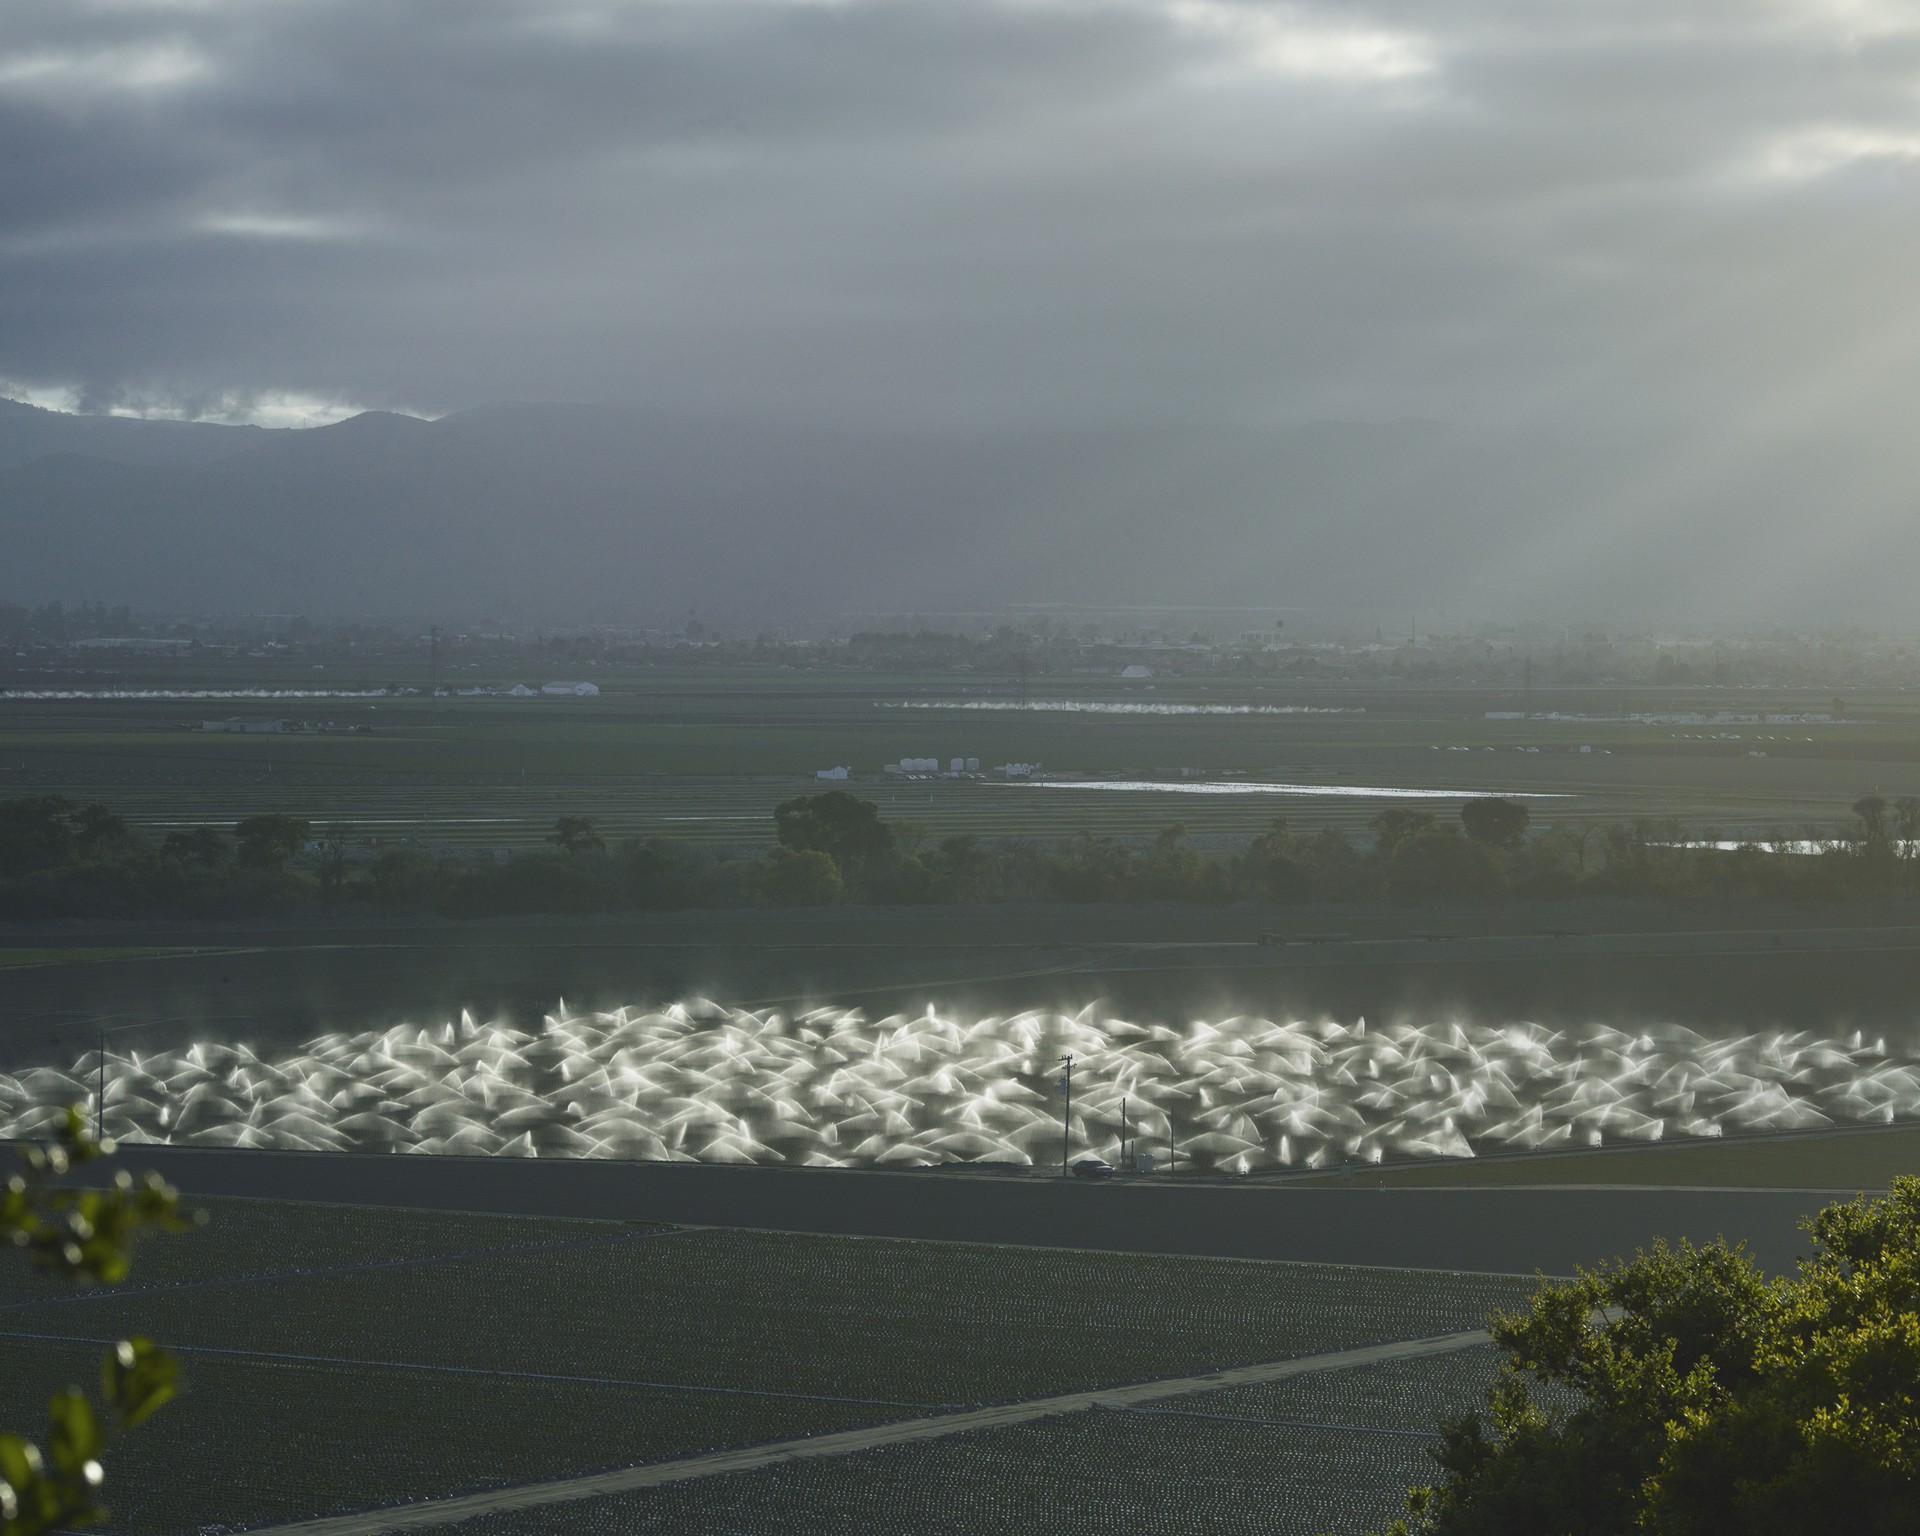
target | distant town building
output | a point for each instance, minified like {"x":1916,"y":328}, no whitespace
{"x":520,"y":691}
{"x":1136,"y":671}
{"x":1017,"y":770}
{"x":576,"y":690}
{"x":836,"y":774}
{"x":915,"y":765}
{"x":248,"y":727}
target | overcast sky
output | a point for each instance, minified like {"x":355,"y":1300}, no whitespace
{"x":1030,"y":210}
{"x":1685,"y":224}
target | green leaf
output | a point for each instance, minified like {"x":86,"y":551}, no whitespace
{"x":73,"y":1433}
{"x":138,"y":1376}
{"x":19,"y":1461}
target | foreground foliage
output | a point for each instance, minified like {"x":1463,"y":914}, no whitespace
{"x":81,"y":1236}
{"x":1711,"y":1401}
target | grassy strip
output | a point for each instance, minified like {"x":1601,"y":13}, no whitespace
{"x":254,"y":1442}
{"x":244,"y":1238}
{"x":1860,"y":1160}
{"x":919,"y":1322}
{"x":1088,"y":1473}
{"x":11,"y":959}
{"x":1263,"y":1459}
{"x":407,"y":1393}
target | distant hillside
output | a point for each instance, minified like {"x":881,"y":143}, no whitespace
{"x":28,"y":432}
{"x":554,"y":513}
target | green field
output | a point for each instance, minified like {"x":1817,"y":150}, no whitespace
{"x":704,"y":753}
{"x":1841,"y":1161}
{"x":11,"y":959}
{"x":341,"y":1358}
{"x":1321,"y":1454}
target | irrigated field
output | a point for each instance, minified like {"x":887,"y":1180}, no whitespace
{"x":341,"y":1359}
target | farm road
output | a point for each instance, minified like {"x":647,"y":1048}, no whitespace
{"x":439,"y":1512}
{"x":1495,"y":1230}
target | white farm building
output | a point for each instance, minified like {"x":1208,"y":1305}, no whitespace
{"x":573,"y":690}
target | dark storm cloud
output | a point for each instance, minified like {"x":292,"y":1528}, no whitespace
{"x":1687,"y":223}
{"x":1185,"y":206}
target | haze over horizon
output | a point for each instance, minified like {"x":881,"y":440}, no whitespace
{"x":1605,"y":311}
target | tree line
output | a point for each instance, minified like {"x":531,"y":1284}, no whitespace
{"x":61,"y":859}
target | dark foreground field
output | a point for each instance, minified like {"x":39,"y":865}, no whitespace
{"x":1507,"y":1230}
{"x":1322,"y":1456}
{"x":342,"y":1359}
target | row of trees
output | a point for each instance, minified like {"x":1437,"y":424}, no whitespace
{"x":62,"y":859}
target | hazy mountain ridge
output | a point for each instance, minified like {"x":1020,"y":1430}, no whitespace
{"x":556,"y":513}
{"x":29,"y":432}
{"x":569,"y":512}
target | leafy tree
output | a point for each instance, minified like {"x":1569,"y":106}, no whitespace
{"x":1275,"y":867}
{"x":1699,"y":1398}
{"x":1876,"y":838}
{"x":963,"y":870}
{"x":267,"y":842}
{"x":1334,"y":865}
{"x":1089,"y":868}
{"x":82,"y":1236}
{"x":200,"y":848}
{"x":1906,"y":825}
{"x":803,"y":878}
{"x":1440,"y":862}
{"x":1503,"y":823}
{"x":655,"y":876}
{"x":402,"y":877}
{"x":332,"y":869}
{"x":1576,"y":840}
{"x":99,"y":832}
{"x":576,"y":836}
{"x":35,"y":834}
{"x":844,"y":827}
{"x":49,"y":831}
{"x":1393,"y":827}
{"x":1173,"y":870}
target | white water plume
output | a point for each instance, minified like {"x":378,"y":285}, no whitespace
{"x":700,"y":1082}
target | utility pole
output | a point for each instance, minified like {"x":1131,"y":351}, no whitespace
{"x":100,"y":1094}
{"x":1066,"y":1119}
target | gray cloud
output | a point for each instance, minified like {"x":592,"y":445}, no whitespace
{"x":1672,"y":239}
